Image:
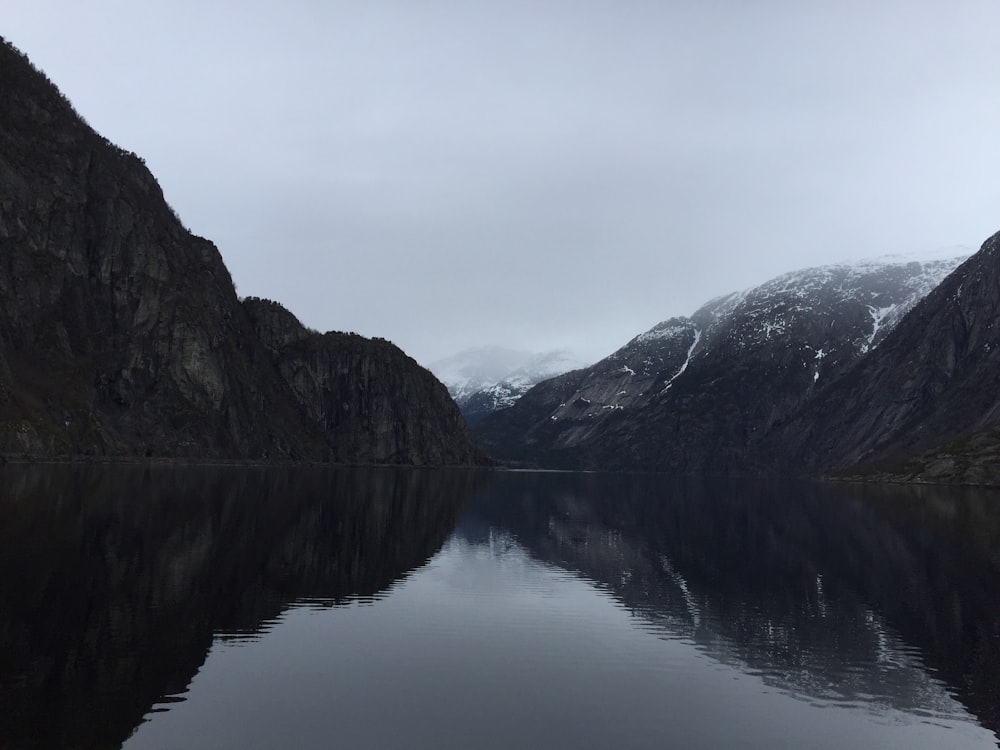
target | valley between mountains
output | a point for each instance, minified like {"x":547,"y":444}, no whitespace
{"x":122,"y":337}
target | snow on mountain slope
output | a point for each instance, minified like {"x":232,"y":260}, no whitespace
{"x":924,"y":403}
{"x":891,"y":285}
{"x":721,"y":376}
{"x":486,"y":379}
{"x":475,"y":369}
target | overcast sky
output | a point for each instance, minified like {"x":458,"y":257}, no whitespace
{"x":542,"y":174}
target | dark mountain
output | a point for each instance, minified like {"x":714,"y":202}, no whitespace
{"x":926,"y":403}
{"x":121,"y":333}
{"x":698,"y":394}
{"x":369,"y":397}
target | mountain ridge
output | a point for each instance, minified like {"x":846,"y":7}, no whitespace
{"x":698,"y":394}
{"x":121,"y":334}
{"x":924,"y":405}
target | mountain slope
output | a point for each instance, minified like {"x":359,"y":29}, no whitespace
{"x":489,"y":379}
{"x":120,"y":332}
{"x":926,"y":403}
{"x":696,"y":395}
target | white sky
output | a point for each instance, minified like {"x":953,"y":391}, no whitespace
{"x":545,"y":174}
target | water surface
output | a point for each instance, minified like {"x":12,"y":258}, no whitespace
{"x":217,"y":608}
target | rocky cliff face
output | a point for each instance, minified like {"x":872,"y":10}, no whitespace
{"x":698,"y":394}
{"x":120,"y":332}
{"x":368,"y":396}
{"x":925,"y":404}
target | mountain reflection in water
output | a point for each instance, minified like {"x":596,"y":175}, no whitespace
{"x":118,"y":584}
{"x":113,"y":580}
{"x":861,"y":594}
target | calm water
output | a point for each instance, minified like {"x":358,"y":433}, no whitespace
{"x":311,"y":608}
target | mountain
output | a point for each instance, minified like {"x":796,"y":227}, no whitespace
{"x":472,"y":370}
{"x":925,"y":405}
{"x":698,"y":394}
{"x":487,"y":379}
{"x":369,"y":397}
{"x":121,"y":333}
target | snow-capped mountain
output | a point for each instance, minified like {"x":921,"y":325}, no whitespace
{"x":924,"y":405}
{"x":487,"y":379}
{"x":692,"y":393}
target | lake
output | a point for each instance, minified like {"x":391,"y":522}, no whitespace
{"x":230,"y":607}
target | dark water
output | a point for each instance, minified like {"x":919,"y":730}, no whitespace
{"x":313,"y":608}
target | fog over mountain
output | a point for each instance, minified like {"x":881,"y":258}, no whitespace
{"x":489,"y":378}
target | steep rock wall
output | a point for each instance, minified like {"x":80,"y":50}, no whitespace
{"x":121,"y":333}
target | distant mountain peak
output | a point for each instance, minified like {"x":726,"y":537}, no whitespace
{"x":489,"y":378}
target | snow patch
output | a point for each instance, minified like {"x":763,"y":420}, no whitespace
{"x":819,"y":354}
{"x":687,"y":361}
{"x":665,"y":332}
{"x":482,"y":368}
{"x":879,"y":316}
